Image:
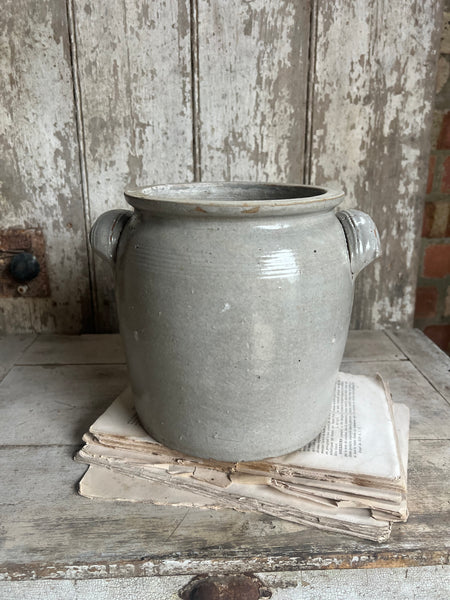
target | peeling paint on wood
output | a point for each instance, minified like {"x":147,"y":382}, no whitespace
{"x":372,"y":96}
{"x":39,"y":162}
{"x":134,"y":68}
{"x":253,"y":63}
{"x":214,"y":90}
{"x":201,"y":564}
{"x":389,"y":584}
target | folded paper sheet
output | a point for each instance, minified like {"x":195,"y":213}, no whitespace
{"x":351,"y":479}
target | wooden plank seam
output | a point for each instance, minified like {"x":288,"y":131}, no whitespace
{"x":81,"y":141}
{"x":195,"y":91}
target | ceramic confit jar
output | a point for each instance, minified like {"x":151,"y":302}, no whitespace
{"x":234,"y":303}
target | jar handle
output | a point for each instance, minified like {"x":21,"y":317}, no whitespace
{"x":363,"y":240}
{"x":106,"y":231}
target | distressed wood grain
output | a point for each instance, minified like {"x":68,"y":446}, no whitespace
{"x":63,"y":376}
{"x":73,"y":350}
{"x":364,"y":345}
{"x":166,"y":92}
{"x":389,"y":584}
{"x":39,"y":162}
{"x":133,"y":64}
{"x":11,"y":348}
{"x":370,"y":115}
{"x":428,"y":358}
{"x":430,"y":419}
{"x":56,"y":404}
{"x":84,"y":539}
{"x":253,"y":65}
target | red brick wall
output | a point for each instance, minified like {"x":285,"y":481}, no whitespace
{"x":432,"y":313}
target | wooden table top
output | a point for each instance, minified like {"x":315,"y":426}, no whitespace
{"x":53,"y":387}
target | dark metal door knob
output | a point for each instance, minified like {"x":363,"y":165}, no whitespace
{"x":24,"y":267}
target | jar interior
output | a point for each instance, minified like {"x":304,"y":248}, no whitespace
{"x":231,"y":191}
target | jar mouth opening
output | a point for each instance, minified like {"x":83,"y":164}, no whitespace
{"x":232,"y":199}
{"x":231,"y":193}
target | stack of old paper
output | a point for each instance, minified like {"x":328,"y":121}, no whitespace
{"x":350,"y":479}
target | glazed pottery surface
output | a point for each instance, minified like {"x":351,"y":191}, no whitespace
{"x":234,"y":303}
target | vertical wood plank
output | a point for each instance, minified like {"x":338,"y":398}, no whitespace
{"x":253,"y":63}
{"x":371,"y":113}
{"x":39,"y":162}
{"x":133,"y":60}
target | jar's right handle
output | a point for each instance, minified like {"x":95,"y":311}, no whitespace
{"x":106,"y":231}
{"x":363,"y":240}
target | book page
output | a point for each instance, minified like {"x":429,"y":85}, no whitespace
{"x":165,"y":489}
{"x":359,"y":436}
{"x":120,"y":419}
{"x":370,"y":496}
{"x":109,"y":484}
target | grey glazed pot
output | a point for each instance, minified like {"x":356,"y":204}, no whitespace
{"x":234,"y":303}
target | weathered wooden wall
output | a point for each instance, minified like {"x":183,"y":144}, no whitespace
{"x":371,"y":105}
{"x":134,"y":70}
{"x":96,"y":96}
{"x":39,"y":165}
{"x":253,"y":71}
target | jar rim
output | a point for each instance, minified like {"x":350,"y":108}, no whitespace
{"x":228,"y":197}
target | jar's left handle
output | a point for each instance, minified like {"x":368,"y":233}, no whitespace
{"x":106,"y":231}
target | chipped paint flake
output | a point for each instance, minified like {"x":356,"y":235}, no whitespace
{"x":373,"y":91}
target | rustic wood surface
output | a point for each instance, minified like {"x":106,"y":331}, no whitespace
{"x":426,"y":356}
{"x":98,"y":96}
{"x":380,"y":347}
{"x":39,"y":166}
{"x":364,"y":135}
{"x":71,"y":350}
{"x":253,"y":70}
{"x":431,"y":583}
{"x":430,"y":419}
{"x":56,"y":404}
{"x":11,"y":348}
{"x":133,"y":63}
{"x":108,"y":349}
{"x":50,"y":532}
